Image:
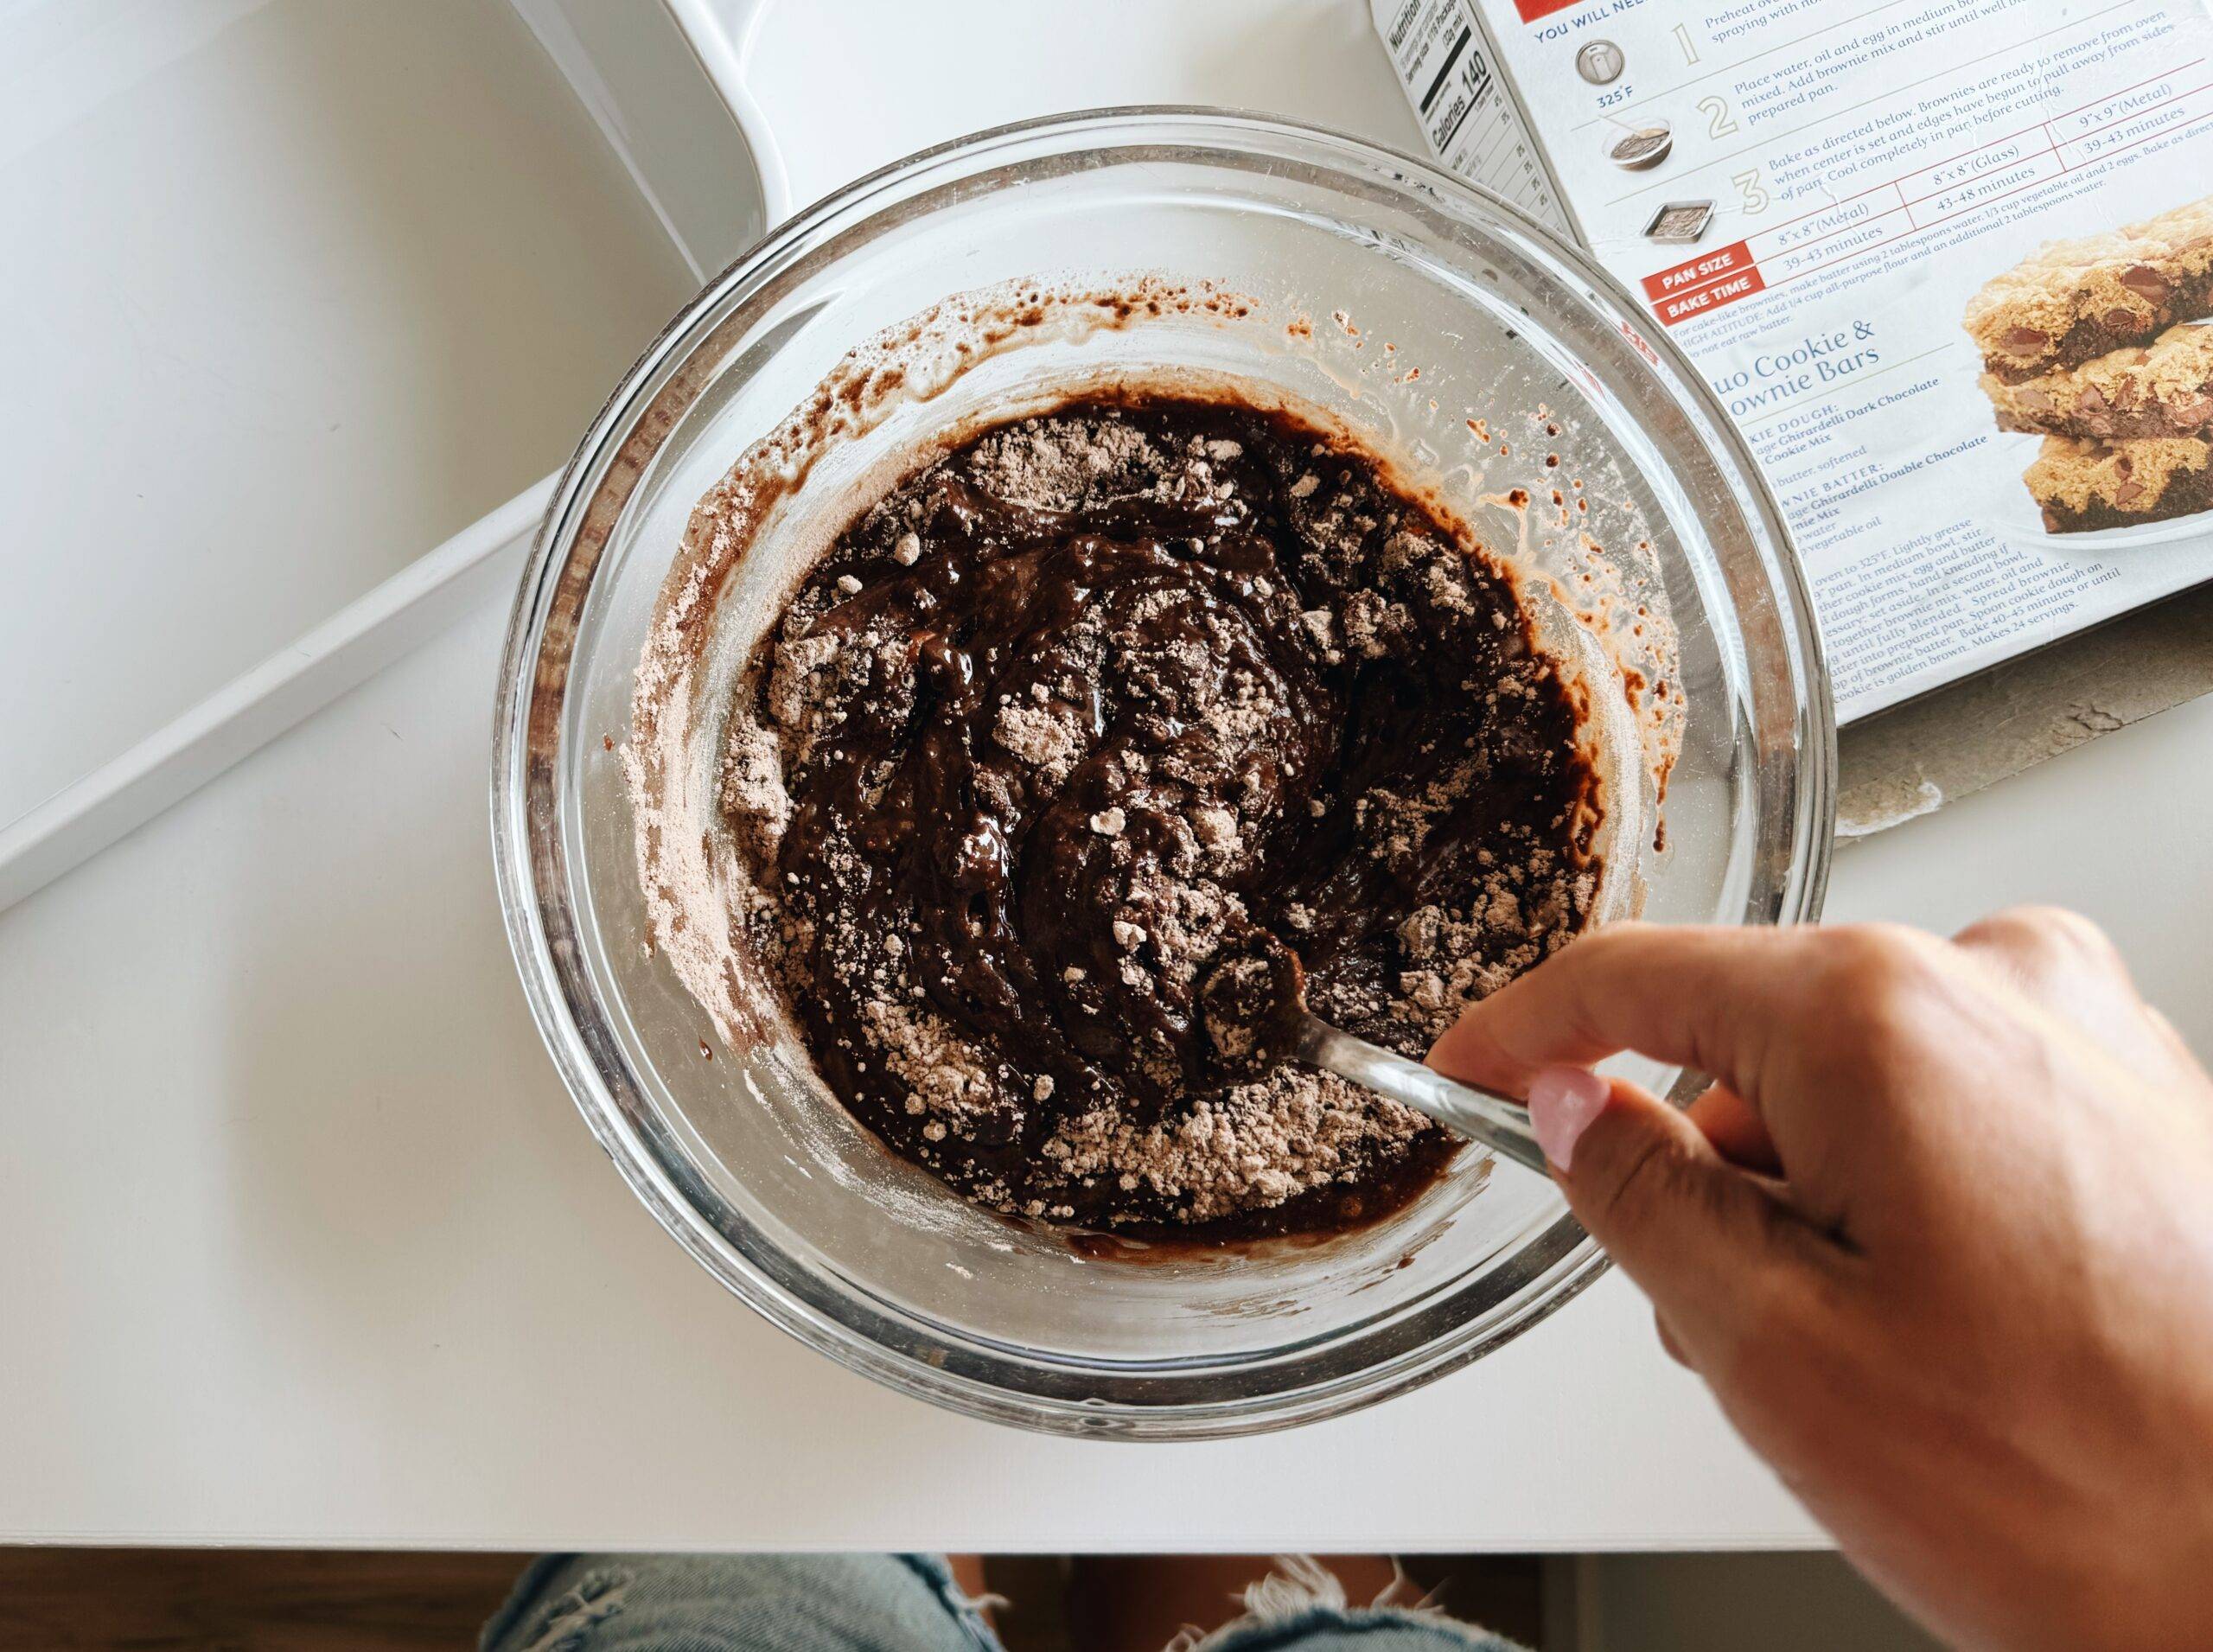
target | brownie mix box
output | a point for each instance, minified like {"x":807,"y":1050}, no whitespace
{"x":1948,"y":264}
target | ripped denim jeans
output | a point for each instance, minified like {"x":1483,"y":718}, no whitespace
{"x":883,"y":1603}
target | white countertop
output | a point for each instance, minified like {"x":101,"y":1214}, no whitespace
{"x":302,"y":1242}
{"x":267,"y":259}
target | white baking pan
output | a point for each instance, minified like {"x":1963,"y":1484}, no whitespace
{"x":315,"y":287}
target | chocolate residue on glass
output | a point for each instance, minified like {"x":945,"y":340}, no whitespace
{"x":1090,"y":704}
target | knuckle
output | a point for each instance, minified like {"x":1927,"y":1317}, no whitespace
{"x":1609,"y":943}
{"x":1878,"y":976}
{"x":2045,"y":945}
{"x":1596,"y":962}
{"x":2058,"y":921}
{"x":2071,"y":933}
{"x":1877,"y":950}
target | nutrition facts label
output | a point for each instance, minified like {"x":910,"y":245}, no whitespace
{"x":1471,"y":123}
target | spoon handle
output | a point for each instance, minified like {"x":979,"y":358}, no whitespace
{"x":1493,"y":1120}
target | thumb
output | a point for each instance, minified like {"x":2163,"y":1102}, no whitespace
{"x":1716,"y":1252}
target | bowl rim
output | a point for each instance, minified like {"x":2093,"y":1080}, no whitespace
{"x":530,"y":860}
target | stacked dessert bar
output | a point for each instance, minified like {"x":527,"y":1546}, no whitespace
{"x":2092,"y":343}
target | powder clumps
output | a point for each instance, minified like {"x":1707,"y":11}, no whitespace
{"x":1101,"y":701}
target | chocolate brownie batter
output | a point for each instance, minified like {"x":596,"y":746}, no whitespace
{"x":1095,"y":703}
{"x":1253,"y":1004}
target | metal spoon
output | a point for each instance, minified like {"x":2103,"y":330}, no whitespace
{"x":1253,"y":1006}
{"x":1497,"y":1121}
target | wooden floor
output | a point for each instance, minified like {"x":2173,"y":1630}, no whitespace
{"x":263,"y":1600}
{"x":246,"y":1600}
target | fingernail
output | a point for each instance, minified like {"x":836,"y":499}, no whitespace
{"x":1562,"y":1100}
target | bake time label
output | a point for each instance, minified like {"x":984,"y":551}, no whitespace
{"x":1806,"y":196}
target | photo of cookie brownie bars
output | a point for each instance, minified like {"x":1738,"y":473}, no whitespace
{"x":2083,"y":486}
{"x":2072,"y":301}
{"x":2163,"y":388}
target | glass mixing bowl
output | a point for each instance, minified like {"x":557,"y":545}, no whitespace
{"x":1465,"y":343}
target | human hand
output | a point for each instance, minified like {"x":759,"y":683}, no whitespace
{"x":1940,"y":1238}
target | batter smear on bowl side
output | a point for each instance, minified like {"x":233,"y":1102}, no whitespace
{"x":1096,"y":699}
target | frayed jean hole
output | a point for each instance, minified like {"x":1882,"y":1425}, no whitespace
{"x":592,"y":1599}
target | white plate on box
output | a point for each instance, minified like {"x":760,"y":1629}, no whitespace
{"x":2021,"y":522}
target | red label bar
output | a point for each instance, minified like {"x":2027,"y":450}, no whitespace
{"x":1722,"y":261}
{"x":1683,"y":306}
{"x":1532,"y":10}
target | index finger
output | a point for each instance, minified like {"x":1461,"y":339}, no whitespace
{"x":1704,"y":997}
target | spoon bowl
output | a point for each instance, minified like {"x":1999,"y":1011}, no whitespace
{"x":1499,"y":1122}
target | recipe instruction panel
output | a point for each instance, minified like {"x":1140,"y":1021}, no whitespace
{"x":1806,"y":196}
